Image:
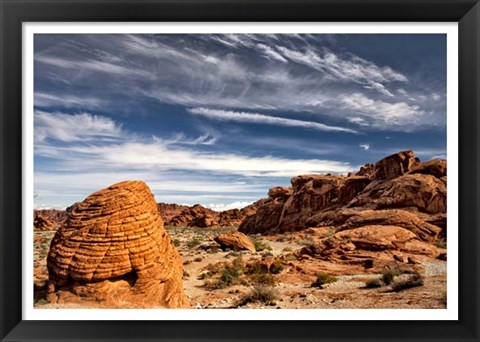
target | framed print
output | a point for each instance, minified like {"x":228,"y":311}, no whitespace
{"x":179,"y":171}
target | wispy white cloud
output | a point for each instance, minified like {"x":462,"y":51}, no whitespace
{"x":365,"y":147}
{"x":381,"y":114}
{"x":227,"y":115}
{"x":76,"y":127}
{"x":270,"y":53}
{"x":92,"y":65}
{"x":182,"y":139}
{"x":135,"y":154}
{"x":352,"y":69}
{"x":68,"y":101}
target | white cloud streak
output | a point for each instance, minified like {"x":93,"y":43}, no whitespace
{"x":76,"y":127}
{"x":245,"y":117}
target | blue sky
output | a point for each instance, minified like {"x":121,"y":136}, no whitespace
{"x":219,"y":119}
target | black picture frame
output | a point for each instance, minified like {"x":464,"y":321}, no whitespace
{"x":14,"y":12}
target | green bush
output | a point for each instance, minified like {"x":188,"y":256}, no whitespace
{"x":229,"y":276}
{"x":261,"y":246}
{"x":324,"y":278}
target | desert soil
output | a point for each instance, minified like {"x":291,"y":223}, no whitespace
{"x":293,"y":285}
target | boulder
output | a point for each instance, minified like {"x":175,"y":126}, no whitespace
{"x":280,"y":192}
{"x":395,"y":165}
{"x":434,"y":167}
{"x":235,"y":240}
{"x":424,"y":193}
{"x":393,"y":217}
{"x":368,"y":241}
{"x":114,"y":251}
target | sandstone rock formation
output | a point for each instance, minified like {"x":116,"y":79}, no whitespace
{"x":41,"y":222}
{"x":235,"y":240}
{"x":373,"y":246}
{"x":113,"y":251}
{"x":395,"y":165}
{"x":397,"y":190}
{"x":175,"y":215}
{"x":48,"y":219}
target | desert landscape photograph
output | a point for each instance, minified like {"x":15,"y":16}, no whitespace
{"x":240,"y":171}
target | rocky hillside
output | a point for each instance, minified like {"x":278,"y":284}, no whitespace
{"x":173,"y":215}
{"x":198,"y":216}
{"x":398,"y":190}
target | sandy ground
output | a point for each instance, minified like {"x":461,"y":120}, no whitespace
{"x":292,"y":288}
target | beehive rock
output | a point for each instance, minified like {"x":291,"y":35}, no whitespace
{"x":114,"y":249}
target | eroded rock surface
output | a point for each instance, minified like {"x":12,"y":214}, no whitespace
{"x":113,"y":251}
{"x":397,"y":190}
{"x":235,"y":240}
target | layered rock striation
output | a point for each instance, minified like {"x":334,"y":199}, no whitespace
{"x":113,"y":250}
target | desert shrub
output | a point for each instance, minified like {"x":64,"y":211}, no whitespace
{"x":198,"y":259}
{"x":413,"y":280}
{"x":266,"y":254}
{"x":205,"y":275}
{"x":276,"y":267}
{"x":193,"y":243}
{"x":256,"y":267}
{"x":324,"y":278}
{"x":186,"y":274}
{"x":373,"y":283}
{"x":389,"y":274}
{"x":229,"y":276}
{"x":176,"y":242}
{"x":441,"y":244}
{"x":261,"y":246}
{"x":287,"y":249}
{"x":263,"y":279}
{"x":259,"y":293}
{"x":214,"y":249}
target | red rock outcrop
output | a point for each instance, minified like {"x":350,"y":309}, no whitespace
{"x":48,"y":219}
{"x":114,"y":252}
{"x":418,"y":192}
{"x":373,"y":196}
{"x":434,"y":167}
{"x":235,"y":240}
{"x":41,"y":222}
{"x":198,"y":216}
{"x":363,"y":245}
{"x":395,"y":165}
